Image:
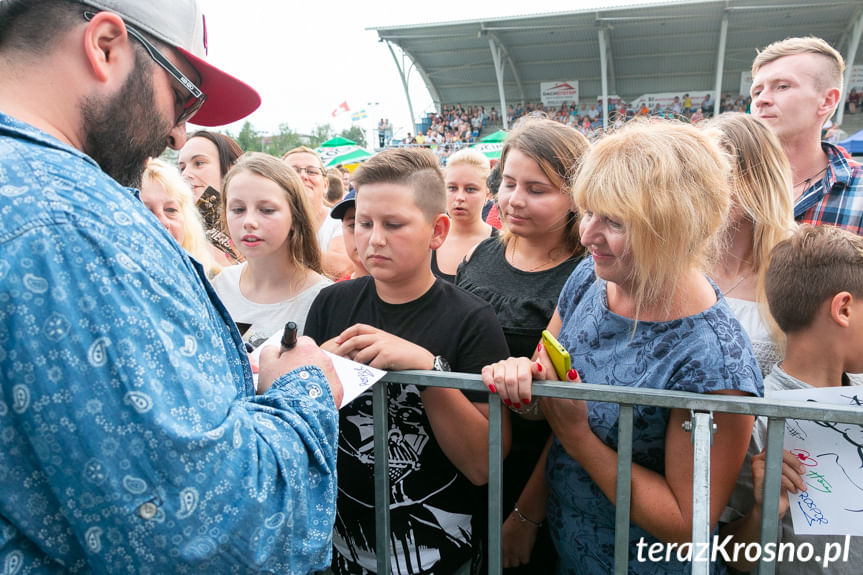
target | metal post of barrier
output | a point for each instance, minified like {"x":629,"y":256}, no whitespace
{"x":772,"y":483}
{"x":702,"y":427}
{"x":382,"y":476}
{"x":623,"y":491}
{"x":495,"y":483}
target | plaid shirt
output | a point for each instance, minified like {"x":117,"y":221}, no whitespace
{"x":837,"y":199}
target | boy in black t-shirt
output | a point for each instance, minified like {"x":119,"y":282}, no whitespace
{"x":401,"y":317}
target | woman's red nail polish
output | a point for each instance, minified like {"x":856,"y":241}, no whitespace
{"x":572,"y":374}
{"x":539,"y":346}
{"x":525,"y":401}
{"x":507,"y":402}
{"x":492,"y":388}
{"x":517,"y":406}
{"x":539,"y":367}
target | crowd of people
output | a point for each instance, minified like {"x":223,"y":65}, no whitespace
{"x":147,"y":427}
{"x":456,"y":127}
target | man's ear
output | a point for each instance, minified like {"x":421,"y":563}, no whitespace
{"x":440,"y":229}
{"x":106,"y":45}
{"x":829,"y":101}
{"x":841,"y":308}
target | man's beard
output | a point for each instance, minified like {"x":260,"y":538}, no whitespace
{"x":121,"y":133}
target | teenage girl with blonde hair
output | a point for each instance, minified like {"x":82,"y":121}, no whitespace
{"x":761,"y":216}
{"x":466,"y":192}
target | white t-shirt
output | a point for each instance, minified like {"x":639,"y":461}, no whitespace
{"x":766,"y":352}
{"x":266,"y":318}
{"x":330,"y":229}
{"x":742,"y":500}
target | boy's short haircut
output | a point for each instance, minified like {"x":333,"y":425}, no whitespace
{"x":831,"y":75}
{"x":810,"y":267}
{"x":337,"y":186}
{"x":416,"y":168}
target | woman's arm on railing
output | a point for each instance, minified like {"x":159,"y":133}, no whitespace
{"x":661,"y":504}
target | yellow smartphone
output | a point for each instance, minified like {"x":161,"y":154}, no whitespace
{"x":557,"y":354}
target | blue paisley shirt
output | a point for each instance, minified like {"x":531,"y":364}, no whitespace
{"x":701,"y":353}
{"x":131,"y":440}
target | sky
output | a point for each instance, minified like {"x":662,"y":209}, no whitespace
{"x":307,"y":57}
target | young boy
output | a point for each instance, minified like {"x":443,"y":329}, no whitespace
{"x":814,"y":288}
{"x":346,"y":210}
{"x":398,"y":318}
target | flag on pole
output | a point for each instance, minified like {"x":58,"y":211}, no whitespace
{"x":341,"y":109}
{"x":357,"y":116}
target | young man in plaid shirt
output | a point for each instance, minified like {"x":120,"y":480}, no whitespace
{"x":797,"y":84}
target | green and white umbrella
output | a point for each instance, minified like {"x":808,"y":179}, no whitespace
{"x":491,"y":150}
{"x":342,"y":151}
{"x":492,"y":144}
{"x":498,"y":136}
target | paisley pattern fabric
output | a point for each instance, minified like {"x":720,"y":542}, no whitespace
{"x":702,"y":353}
{"x":131,"y":439}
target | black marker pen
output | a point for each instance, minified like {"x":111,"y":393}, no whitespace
{"x":289,"y":337}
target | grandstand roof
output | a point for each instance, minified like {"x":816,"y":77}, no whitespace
{"x":656,"y":47}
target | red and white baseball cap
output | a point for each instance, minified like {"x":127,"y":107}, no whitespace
{"x":181,"y":24}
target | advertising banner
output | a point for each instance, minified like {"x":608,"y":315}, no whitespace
{"x":557,"y":93}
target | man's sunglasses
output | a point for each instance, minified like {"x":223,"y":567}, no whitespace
{"x":196,"y":97}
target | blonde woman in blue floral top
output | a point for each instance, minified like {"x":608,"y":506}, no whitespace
{"x":640,"y":313}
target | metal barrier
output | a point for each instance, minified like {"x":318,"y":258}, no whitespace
{"x":702,"y":407}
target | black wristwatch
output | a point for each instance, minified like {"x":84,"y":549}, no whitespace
{"x":440,"y":364}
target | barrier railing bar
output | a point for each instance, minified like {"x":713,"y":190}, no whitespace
{"x":702,"y":427}
{"x":495,"y":484}
{"x":772,"y":483}
{"x":649,"y":397}
{"x":382,"y":477}
{"x":623,"y":490}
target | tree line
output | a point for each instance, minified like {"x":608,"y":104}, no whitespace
{"x":252,"y":140}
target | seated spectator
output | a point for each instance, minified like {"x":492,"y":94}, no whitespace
{"x":169,"y":197}
{"x":707,"y":105}
{"x":466,"y":192}
{"x":402,"y":317}
{"x":696,"y":116}
{"x":637,"y":288}
{"x":267,"y":213}
{"x":307,"y":163}
{"x":761,"y":216}
{"x":822,"y":327}
{"x":852,"y":102}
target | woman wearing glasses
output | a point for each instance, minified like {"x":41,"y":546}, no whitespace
{"x":309,"y":166}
